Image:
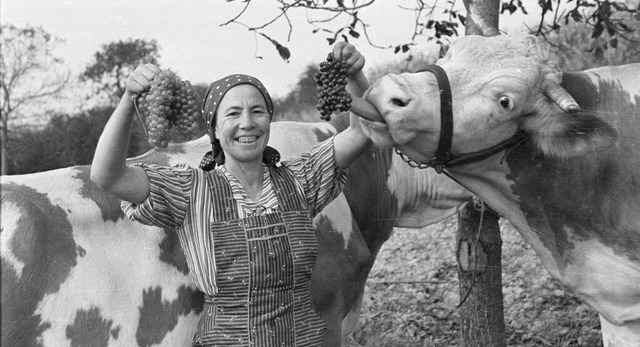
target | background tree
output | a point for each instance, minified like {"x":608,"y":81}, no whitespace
{"x":66,"y":140}
{"x":29,"y":72}
{"x":300,"y":104}
{"x":572,"y":40}
{"x":115,"y":62}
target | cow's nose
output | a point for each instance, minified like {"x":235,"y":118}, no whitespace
{"x":400,"y":102}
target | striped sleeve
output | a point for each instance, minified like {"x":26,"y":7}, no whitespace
{"x":321,"y":179}
{"x":168,"y":200}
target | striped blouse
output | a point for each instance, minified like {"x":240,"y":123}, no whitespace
{"x":172,"y":188}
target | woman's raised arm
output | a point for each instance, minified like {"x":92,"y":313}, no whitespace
{"x":351,"y":142}
{"x":109,"y":169}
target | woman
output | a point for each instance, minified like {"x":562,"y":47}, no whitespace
{"x":245,"y":225}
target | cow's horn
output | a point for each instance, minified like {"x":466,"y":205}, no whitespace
{"x":561,"y":97}
{"x":365,"y":109}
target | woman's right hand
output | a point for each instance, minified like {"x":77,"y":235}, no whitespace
{"x":140,"y":79}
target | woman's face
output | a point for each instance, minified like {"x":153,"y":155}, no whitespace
{"x":243,"y":124}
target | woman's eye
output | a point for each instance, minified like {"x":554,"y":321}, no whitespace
{"x":505,"y":102}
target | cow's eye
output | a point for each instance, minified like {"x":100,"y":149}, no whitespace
{"x":505,"y":102}
{"x":399,"y":102}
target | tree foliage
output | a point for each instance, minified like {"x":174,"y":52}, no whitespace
{"x":300,"y":103}
{"x":603,"y":24}
{"x":67,"y":140}
{"x":115,"y":62}
{"x":29,"y":72}
{"x":608,"y":20}
{"x":572,"y":45}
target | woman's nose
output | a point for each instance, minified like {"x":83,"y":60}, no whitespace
{"x":246,"y":120}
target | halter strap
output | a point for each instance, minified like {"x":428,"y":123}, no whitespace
{"x":443,"y":154}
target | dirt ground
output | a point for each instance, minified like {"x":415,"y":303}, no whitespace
{"x":412,"y":294}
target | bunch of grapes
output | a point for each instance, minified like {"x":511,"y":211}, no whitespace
{"x":331,"y":83}
{"x":169,"y":102}
{"x":185,"y":111}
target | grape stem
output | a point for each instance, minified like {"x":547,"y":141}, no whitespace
{"x":134,"y":98}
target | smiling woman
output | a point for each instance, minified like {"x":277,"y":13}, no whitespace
{"x":243,"y":218}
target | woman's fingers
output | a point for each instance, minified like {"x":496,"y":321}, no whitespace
{"x":140,"y":79}
{"x":350,"y":55}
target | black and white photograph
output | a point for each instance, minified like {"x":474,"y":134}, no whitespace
{"x":320,"y":173}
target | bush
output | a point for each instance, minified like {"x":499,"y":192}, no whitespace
{"x":67,"y":140}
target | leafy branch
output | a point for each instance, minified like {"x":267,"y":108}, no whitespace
{"x":439,"y":21}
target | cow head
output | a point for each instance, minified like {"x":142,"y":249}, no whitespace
{"x":499,"y":85}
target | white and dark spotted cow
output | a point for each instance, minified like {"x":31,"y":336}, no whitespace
{"x":75,"y":272}
{"x":571,"y":188}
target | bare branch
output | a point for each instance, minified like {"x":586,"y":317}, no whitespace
{"x":246,"y":6}
{"x":427,"y":25}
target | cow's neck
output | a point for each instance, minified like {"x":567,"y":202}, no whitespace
{"x":550,"y":201}
{"x":489,"y":180}
{"x":373,"y":205}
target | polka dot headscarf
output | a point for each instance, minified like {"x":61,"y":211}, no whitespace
{"x":212,"y":99}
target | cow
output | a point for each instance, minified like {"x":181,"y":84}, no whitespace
{"x":566,"y":177}
{"x":76,"y":272}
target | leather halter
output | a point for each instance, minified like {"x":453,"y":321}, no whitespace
{"x":443,"y":158}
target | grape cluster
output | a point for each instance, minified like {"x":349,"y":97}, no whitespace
{"x":331,"y":83}
{"x":169,"y":102}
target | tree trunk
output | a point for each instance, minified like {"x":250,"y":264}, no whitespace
{"x":3,"y":146}
{"x":479,"y":247}
{"x":482,"y":17}
{"x":479,"y":256}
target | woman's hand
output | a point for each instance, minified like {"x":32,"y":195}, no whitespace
{"x":350,"y":55}
{"x":140,"y":79}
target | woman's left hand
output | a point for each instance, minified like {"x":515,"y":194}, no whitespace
{"x":357,"y":81}
{"x":348,"y":53}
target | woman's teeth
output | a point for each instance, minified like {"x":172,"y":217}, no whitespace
{"x":247,"y":139}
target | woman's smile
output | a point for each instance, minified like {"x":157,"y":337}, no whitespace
{"x":247,"y":139}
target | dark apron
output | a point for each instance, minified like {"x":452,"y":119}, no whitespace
{"x":264,"y":265}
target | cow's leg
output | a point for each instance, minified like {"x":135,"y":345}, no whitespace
{"x":333,"y":335}
{"x":620,"y":335}
{"x":352,"y":319}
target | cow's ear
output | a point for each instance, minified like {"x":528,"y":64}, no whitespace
{"x":560,"y":134}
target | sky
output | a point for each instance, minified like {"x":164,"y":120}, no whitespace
{"x":195,"y":43}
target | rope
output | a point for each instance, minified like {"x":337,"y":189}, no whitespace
{"x":473,"y":279}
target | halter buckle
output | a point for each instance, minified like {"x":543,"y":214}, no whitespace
{"x":439,"y":161}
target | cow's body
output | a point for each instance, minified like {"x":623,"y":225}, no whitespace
{"x":572,"y":189}
{"x":75,"y":272}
